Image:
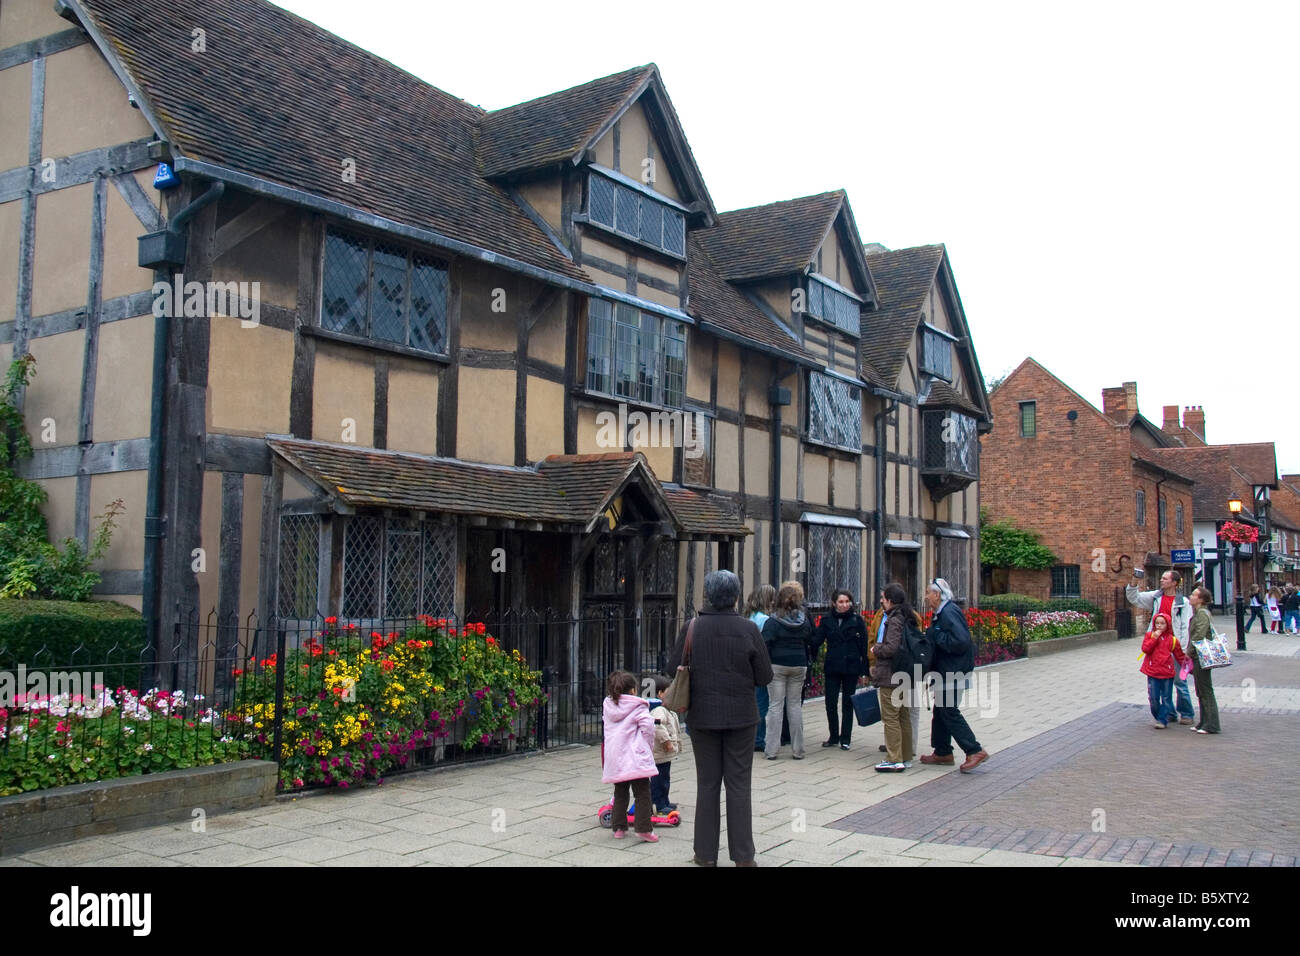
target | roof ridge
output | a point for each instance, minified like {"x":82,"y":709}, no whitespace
{"x":489,"y":114}
{"x":780,"y":202}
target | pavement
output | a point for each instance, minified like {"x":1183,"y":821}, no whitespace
{"x":1077,"y":777}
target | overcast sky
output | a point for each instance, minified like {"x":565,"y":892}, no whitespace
{"x":1116,"y":183}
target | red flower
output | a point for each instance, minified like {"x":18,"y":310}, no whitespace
{"x":331,"y":620}
{"x":491,"y":642}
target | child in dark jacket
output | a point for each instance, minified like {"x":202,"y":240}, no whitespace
{"x":1162,"y":658}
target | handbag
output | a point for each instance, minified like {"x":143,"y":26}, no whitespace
{"x":866,"y":706}
{"x":677,"y":696}
{"x":1212,"y":652}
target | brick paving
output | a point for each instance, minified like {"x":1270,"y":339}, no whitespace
{"x":1068,"y":733}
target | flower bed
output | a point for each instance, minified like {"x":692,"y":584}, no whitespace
{"x":358,"y":706}
{"x":1045,"y":625}
{"x":51,"y":741}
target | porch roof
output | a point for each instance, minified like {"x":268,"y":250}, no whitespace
{"x":568,"y":492}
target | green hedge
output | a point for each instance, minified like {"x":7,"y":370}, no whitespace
{"x":99,"y":632}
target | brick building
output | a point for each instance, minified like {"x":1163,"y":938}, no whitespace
{"x":1090,"y":482}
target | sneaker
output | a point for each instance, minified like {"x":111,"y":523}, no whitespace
{"x":1160,"y":726}
{"x":620,"y":834}
{"x":907,"y":765}
{"x":1186,"y":721}
{"x":798,"y":756}
{"x":883,"y":749}
{"x":1198,"y":730}
{"x":772,"y":757}
{"x":648,"y":837}
{"x":887,"y":767}
{"x":844,"y":746}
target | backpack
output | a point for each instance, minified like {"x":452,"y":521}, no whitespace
{"x":915,"y":648}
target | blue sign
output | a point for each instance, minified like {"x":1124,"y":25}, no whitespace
{"x":1183,"y":555}
{"x":164,"y":178}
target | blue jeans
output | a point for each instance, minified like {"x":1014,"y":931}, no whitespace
{"x":1290,"y":620}
{"x":1160,"y":694}
{"x":760,"y":735}
{"x":1257,"y":612}
{"x":659,"y":785}
{"x":1184,"y":698}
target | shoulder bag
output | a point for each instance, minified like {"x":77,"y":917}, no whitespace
{"x":677,"y":697}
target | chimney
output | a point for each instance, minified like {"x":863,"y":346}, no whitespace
{"x":1170,"y":426}
{"x":1194,"y":420}
{"x":1120,"y":403}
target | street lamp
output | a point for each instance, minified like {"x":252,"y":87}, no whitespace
{"x":1234,"y":508}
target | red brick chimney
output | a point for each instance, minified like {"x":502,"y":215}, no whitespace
{"x":1170,"y":427}
{"x":1194,"y":420}
{"x":1120,"y":403}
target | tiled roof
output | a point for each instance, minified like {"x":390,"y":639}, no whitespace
{"x":1220,"y":471}
{"x":551,"y":129}
{"x":279,"y":98}
{"x":1141,"y":453}
{"x":716,"y":301}
{"x":903,"y":280}
{"x":702,"y":514}
{"x":772,"y":240}
{"x":941,"y":393}
{"x":566,"y":490}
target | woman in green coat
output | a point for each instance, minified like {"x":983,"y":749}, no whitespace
{"x":1201,"y":629}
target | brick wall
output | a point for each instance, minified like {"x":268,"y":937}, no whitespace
{"x":1074,"y":484}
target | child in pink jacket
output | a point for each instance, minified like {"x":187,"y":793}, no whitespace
{"x":1163,"y":657}
{"x":629,"y":754}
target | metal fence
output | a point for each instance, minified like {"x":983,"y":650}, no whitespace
{"x":224,"y":689}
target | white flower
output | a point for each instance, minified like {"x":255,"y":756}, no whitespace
{"x":52,"y":757}
{"x":148,"y":747}
{"x":128,"y":730}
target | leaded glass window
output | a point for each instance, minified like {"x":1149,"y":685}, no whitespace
{"x":635,"y":355}
{"x":834,"y":561}
{"x":299,"y":565}
{"x":1141,"y":508}
{"x":1065,"y":581}
{"x":831,"y":305}
{"x":954,"y":566}
{"x":397,"y":567}
{"x":950,"y":443}
{"x":379,"y":291}
{"x":936,"y":354}
{"x":635,"y":214}
{"x":834,"y":411}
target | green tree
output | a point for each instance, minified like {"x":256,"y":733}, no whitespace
{"x":1003,"y":545}
{"x":30,"y":566}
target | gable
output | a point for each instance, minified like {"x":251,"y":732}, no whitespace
{"x":631,"y":147}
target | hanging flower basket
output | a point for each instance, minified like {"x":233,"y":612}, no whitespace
{"x":1237,"y":532}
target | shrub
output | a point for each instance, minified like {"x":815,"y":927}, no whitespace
{"x":355,"y":707}
{"x":1012,"y":603}
{"x":69,"y":633}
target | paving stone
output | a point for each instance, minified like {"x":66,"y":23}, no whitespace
{"x":315,"y":849}
{"x":372,"y":857}
{"x":1007,"y":858}
{"x":939,"y":851}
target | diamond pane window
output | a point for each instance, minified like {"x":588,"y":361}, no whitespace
{"x":439,"y":585}
{"x":949,"y":443}
{"x":831,"y":305}
{"x":382,"y":292}
{"x":601,"y":202}
{"x":834,"y":561}
{"x":346,"y":280}
{"x":954,"y":566}
{"x":299,"y":565}
{"x":834,"y":412}
{"x":402,"y":569}
{"x":362,"y":566}
{"x":636,"y":214}
{"x":397,"y":568}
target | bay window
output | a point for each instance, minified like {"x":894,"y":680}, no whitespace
{"x":635,"y":355}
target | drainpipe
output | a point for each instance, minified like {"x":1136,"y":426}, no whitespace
{"x":777,"y":397}
{"x":153,"y":521}
{"x":878,"y":426}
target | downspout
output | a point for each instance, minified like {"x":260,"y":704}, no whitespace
{"x":878,"y":426}
{"x":777,"y":396}
{"x":153,"y":521}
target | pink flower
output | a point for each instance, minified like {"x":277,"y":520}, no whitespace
{"x":485,"y":738}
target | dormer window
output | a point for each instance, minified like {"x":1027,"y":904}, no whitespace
{"x":936,"y":353}
{"x":636,"y":212}
{"x":830,"y":303}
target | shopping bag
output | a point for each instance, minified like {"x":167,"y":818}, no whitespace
{"x":866,"y":706}
{"x":1213,"y":652}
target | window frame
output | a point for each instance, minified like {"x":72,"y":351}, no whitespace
{"x":1162,"y":512}
{"x":1140,"y":501}
{"x":833,"y":380}
{"x":666,"y":207}
{"x":1065,"y":570}
{"x":629,"y":390}
{"x":831,"y":288}
{"x":930,"y":334}
{"x":368,"y":337}
{"x":949,"y":465}
{"x":1179,"y":518}
{"x":1032,"y":408}
{"x":430,"y":533}
{"x":817,"y":572}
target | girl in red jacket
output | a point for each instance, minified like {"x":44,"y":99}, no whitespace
{"x":1163,"y":657}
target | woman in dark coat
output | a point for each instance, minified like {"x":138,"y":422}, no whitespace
{"x":727,"y":661}
{"x":845,"y":635}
